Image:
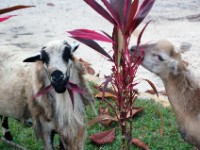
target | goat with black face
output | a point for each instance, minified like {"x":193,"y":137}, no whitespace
{"x":57,"y":110}
{"x":57,"y":64}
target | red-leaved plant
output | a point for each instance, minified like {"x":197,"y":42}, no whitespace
{"x":9,"y":9}
{"x":125,"y":16}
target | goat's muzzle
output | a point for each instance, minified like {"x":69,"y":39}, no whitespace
{"x":59,"y":81}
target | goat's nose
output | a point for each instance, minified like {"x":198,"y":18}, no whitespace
{"x":57,"y":76}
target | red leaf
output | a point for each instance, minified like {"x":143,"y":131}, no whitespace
{"x":93,"y":45}
{"x":103,"y":137}
{"x":71,"y":87}
{"x":108,"y":80}
{"x":5,"y":18}
{"x":98,"y":8}
{"x":141,"y":14}
{"x":107,"y":90}
{"x":141,"y":33}
{"x":133,"y":10}
{"x":140,"y":144}
{"x":126,"y":12}
{"x":9,"y":9}
{"x":152,"y":86}
{"x":117,"y":5}
{"x":152,"y":92}
{"x":42,"y":92}
{"x":89,"y":34}
{"x":134,"y":112}
{"x":106,"y":34}
{"x":74,"y":87}
{"x":113,"y":11}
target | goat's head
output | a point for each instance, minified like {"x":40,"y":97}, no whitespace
{"x":57,"y":58}
{"x":161,"y":58}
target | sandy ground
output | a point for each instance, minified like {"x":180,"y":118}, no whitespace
{"x":174,"y":20}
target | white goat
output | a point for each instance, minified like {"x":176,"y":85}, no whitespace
{"x":53,"y":112}
{"x":181,"y":86}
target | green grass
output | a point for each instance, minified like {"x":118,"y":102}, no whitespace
{"x":146,"y":126}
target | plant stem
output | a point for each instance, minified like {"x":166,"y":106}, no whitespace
{"x":124,"y":142}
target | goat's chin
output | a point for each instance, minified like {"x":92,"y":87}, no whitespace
{"x":60,"y":89}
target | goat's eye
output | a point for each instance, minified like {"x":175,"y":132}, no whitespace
{"x":160,"y":58}
{"x":66,"y":54}
{"x":45,"y":57}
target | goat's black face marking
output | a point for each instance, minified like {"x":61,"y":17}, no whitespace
{"x":58,"y":81}
{"x":67,"y":54}
{"x":45,"y":57}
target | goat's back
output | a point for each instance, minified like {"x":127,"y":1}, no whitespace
{"x":15,"y":84}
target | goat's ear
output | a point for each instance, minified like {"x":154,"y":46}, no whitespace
{"x":185,"y":46}
{"x":173,"y":66}
{"x":33,"y":59}
{"x":74,"y":47}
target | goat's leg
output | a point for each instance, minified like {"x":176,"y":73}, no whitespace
{"x":6,"y":131}
{"x":61,"y":146}
{"x":47,"y":137}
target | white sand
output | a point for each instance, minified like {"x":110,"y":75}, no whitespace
{"x":36,"y":26}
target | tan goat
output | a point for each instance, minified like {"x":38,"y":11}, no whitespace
{"x":181,"y":86}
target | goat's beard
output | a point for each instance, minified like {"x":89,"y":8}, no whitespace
{"x":59,"y":87}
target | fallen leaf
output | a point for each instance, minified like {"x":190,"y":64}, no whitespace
{"x":107,"y":95}
{"x":104,"y":137}
{"x":101,"y":118}
{"x":105,"y":111}
{"x":140,"y":144}
{"x":134,"y":112}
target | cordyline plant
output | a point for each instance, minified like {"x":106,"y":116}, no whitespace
{"x":125,"y":16}
{"x":9,"y":9}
